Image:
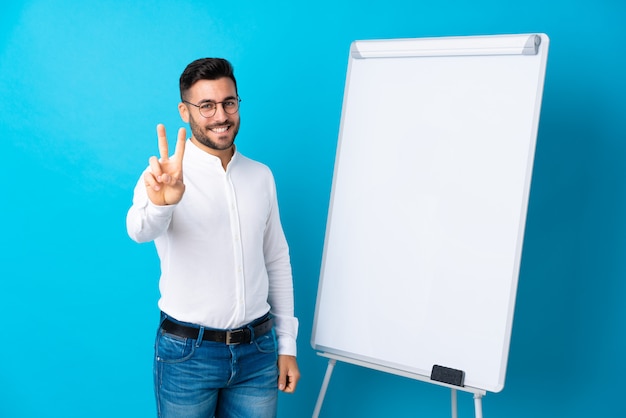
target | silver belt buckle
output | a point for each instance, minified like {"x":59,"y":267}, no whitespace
{"x":230,"y":335}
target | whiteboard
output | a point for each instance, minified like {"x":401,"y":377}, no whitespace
{"x":428,"y":204}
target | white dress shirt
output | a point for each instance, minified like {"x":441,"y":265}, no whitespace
{"x":224,"y":256}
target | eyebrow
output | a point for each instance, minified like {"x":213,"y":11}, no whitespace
{"x":213,"y":101}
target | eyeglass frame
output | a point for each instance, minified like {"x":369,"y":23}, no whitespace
{"x":199,"y":106}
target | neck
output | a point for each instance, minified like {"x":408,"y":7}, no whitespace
{"x":224,"y":155}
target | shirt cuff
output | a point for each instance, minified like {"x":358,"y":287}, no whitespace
{"x":287,"y":332}
{"x":164,"y":211}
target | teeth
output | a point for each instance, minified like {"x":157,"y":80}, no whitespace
{"x":220,"y":130}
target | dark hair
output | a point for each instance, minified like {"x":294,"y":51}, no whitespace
{"x":205,"y":69}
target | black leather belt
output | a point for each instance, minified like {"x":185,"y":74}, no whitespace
{"x":229,"y":337}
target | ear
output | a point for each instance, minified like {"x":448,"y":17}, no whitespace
{"x":183,"y":110}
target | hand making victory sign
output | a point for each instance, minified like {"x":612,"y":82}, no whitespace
{"x":164,"y":180}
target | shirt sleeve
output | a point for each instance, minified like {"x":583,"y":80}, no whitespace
{"x":146,"y":221}
{"x":281,"y":295}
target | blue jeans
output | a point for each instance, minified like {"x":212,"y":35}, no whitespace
{"x":204,"y":379}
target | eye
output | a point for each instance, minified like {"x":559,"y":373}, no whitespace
{"x":207,"y":106}
{"x":230,"y":103}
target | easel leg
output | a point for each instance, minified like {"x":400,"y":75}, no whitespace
{"x":478,"y":405}
{"x":454,"y":404}
{"x":320,"y":398}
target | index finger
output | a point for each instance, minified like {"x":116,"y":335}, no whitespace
{"x":162,"y":139}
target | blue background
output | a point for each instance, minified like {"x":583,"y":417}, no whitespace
{"x":82,"y":87}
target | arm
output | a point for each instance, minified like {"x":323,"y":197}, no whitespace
{"x":281,"y":298}
{"x":158,"y":191}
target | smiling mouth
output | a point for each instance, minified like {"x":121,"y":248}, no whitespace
{"x":219,"y":129}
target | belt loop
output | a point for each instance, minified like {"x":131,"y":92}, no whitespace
{"x":200,"y":335}
{"x":252,"y":337}
{"x":163,"y":318}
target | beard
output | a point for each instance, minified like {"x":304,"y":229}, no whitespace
{"x":202,"y":134}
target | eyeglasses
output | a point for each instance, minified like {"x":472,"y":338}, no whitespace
{"x":208,"y":109}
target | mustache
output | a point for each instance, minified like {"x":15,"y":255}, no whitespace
{"x":219,"y":125}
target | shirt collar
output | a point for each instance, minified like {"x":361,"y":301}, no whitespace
{"x":199,"y":154}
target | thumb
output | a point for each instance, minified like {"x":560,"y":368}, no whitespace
{"x":282,"y":380}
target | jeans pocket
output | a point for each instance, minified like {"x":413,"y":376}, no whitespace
{"x":172,"y":349}
{"x":267,"y":343}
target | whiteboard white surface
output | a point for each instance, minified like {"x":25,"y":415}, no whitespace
{"x":428,"y":204}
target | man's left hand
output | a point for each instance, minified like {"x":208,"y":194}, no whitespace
{"x":289,"y":374}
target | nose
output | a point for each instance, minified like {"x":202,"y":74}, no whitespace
{"x":220,"y":113}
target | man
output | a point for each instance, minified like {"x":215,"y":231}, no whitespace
{"x":227,"y":339}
